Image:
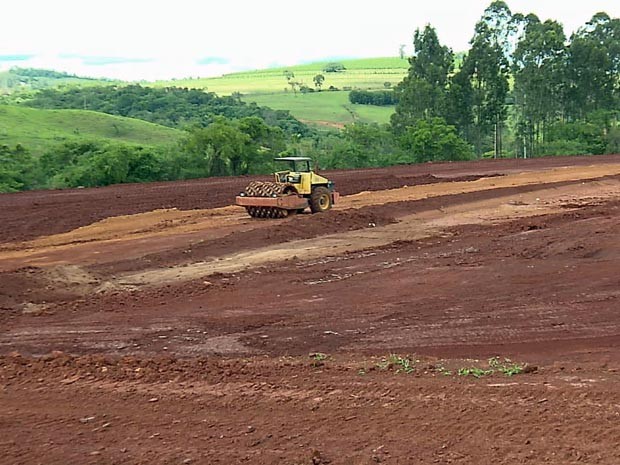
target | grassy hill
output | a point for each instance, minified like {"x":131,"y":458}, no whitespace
{"x":266,"y":87}
{"x":325,"y":108}
{"x":29,"y":79}
{"x":269,"y":87}
{"x":37,"y":129}
{"x":367,"y":73}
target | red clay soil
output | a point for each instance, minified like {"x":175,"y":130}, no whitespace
{"x":307,"y":226}
{"x":527,"y":288}
{"x":384,"y":355}
{"x":104,"y":411}
{"x":27,"y":215}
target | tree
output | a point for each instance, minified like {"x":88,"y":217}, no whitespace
{"x":100,"y":163}
{"x":539,"y":71}
{"x":422,"y":94}
{"x":294,"y":86}
{"x":216,"y":150}
{"x":459,"y":109}
{"x":318,"y":80}
{"x":17,"y":169}
{"x":334,"y":67}
{"x":593,"y":67}
{"x":501,"y":26}
{"x":262,"y":144}
{"x":377,"y":97}
{"x":433,"y":140}
{"x":171,"y":106}
{"x":486,"y":67}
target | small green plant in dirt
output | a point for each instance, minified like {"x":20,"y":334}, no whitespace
{"x":443,"y":370}
{"x":474,"y":371}
{"x":318,"y":358}
{"x":496,"y":365}
{"x":400,"y":364}
{"x":507,"y":367}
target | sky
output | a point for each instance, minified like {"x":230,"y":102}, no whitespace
{"x":166,"y":39}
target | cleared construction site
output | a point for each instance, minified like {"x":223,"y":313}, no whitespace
{"x":440,"y":313}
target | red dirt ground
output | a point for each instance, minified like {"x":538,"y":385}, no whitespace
{"x":30,"y":214}
{"x":378,"y":334}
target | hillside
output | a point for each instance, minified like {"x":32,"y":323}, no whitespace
{"x":270,"y":87}
{"x":266,"y":87}
{"x":37,"y":129}
{"x":26,"y":79}
{"x":366,"y":73}
{"x":325,"y":108}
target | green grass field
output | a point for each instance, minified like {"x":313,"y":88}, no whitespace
{"x":367,"y":73}
{"x":324,"y":108}
{"x":270,"y":87}
{"x":37,"y":129}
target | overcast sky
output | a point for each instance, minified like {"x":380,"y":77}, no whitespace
{"x":139,"y":39}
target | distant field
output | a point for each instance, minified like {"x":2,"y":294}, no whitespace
{"x":36,"y":129}
{"x":323,"y":108}
{"x":16,"y":80}
{"x":269,"y":87}
{"x":367,"y":73}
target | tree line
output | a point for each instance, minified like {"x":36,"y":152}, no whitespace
{"x":377,"y":97}
{"x":224,"y":147}
{"x":523,"y":88}
{"x":223,"y":136}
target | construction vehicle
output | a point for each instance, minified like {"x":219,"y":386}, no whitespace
{"x":296,"y":187}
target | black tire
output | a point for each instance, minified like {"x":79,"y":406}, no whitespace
{"x":320,"y":199}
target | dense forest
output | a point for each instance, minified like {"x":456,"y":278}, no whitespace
{"x":523,"y":89}
{"x":367,"y":97}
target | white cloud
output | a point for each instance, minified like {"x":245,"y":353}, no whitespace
{"x":172,"y":36}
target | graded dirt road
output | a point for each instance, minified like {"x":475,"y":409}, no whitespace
{"x":451,"y":313}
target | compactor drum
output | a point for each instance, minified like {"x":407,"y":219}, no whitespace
{"x":292,"y":191}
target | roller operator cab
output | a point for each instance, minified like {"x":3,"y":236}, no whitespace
{"x":296,"y":186}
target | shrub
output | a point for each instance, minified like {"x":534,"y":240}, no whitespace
{"x":434,"y":140}
{"x":334,"y":67}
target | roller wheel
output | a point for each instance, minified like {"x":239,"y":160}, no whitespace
{"x":320,"y":199}
{"x":268,"y":189}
